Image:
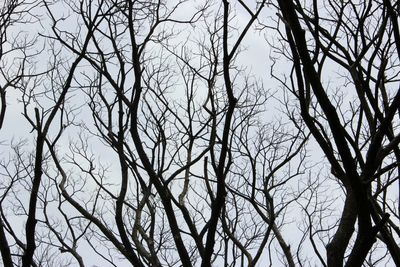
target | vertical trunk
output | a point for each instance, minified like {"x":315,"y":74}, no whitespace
{"x":4,"y":247}
{"x":30,"y":227}
{"x":337,"y":247}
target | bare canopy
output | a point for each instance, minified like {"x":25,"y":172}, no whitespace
{"x":152,"y":139}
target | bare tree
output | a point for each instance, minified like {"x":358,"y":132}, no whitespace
{"x":16,"y":49}
{"x":353,"y":119}
{"x":150,"y":144}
